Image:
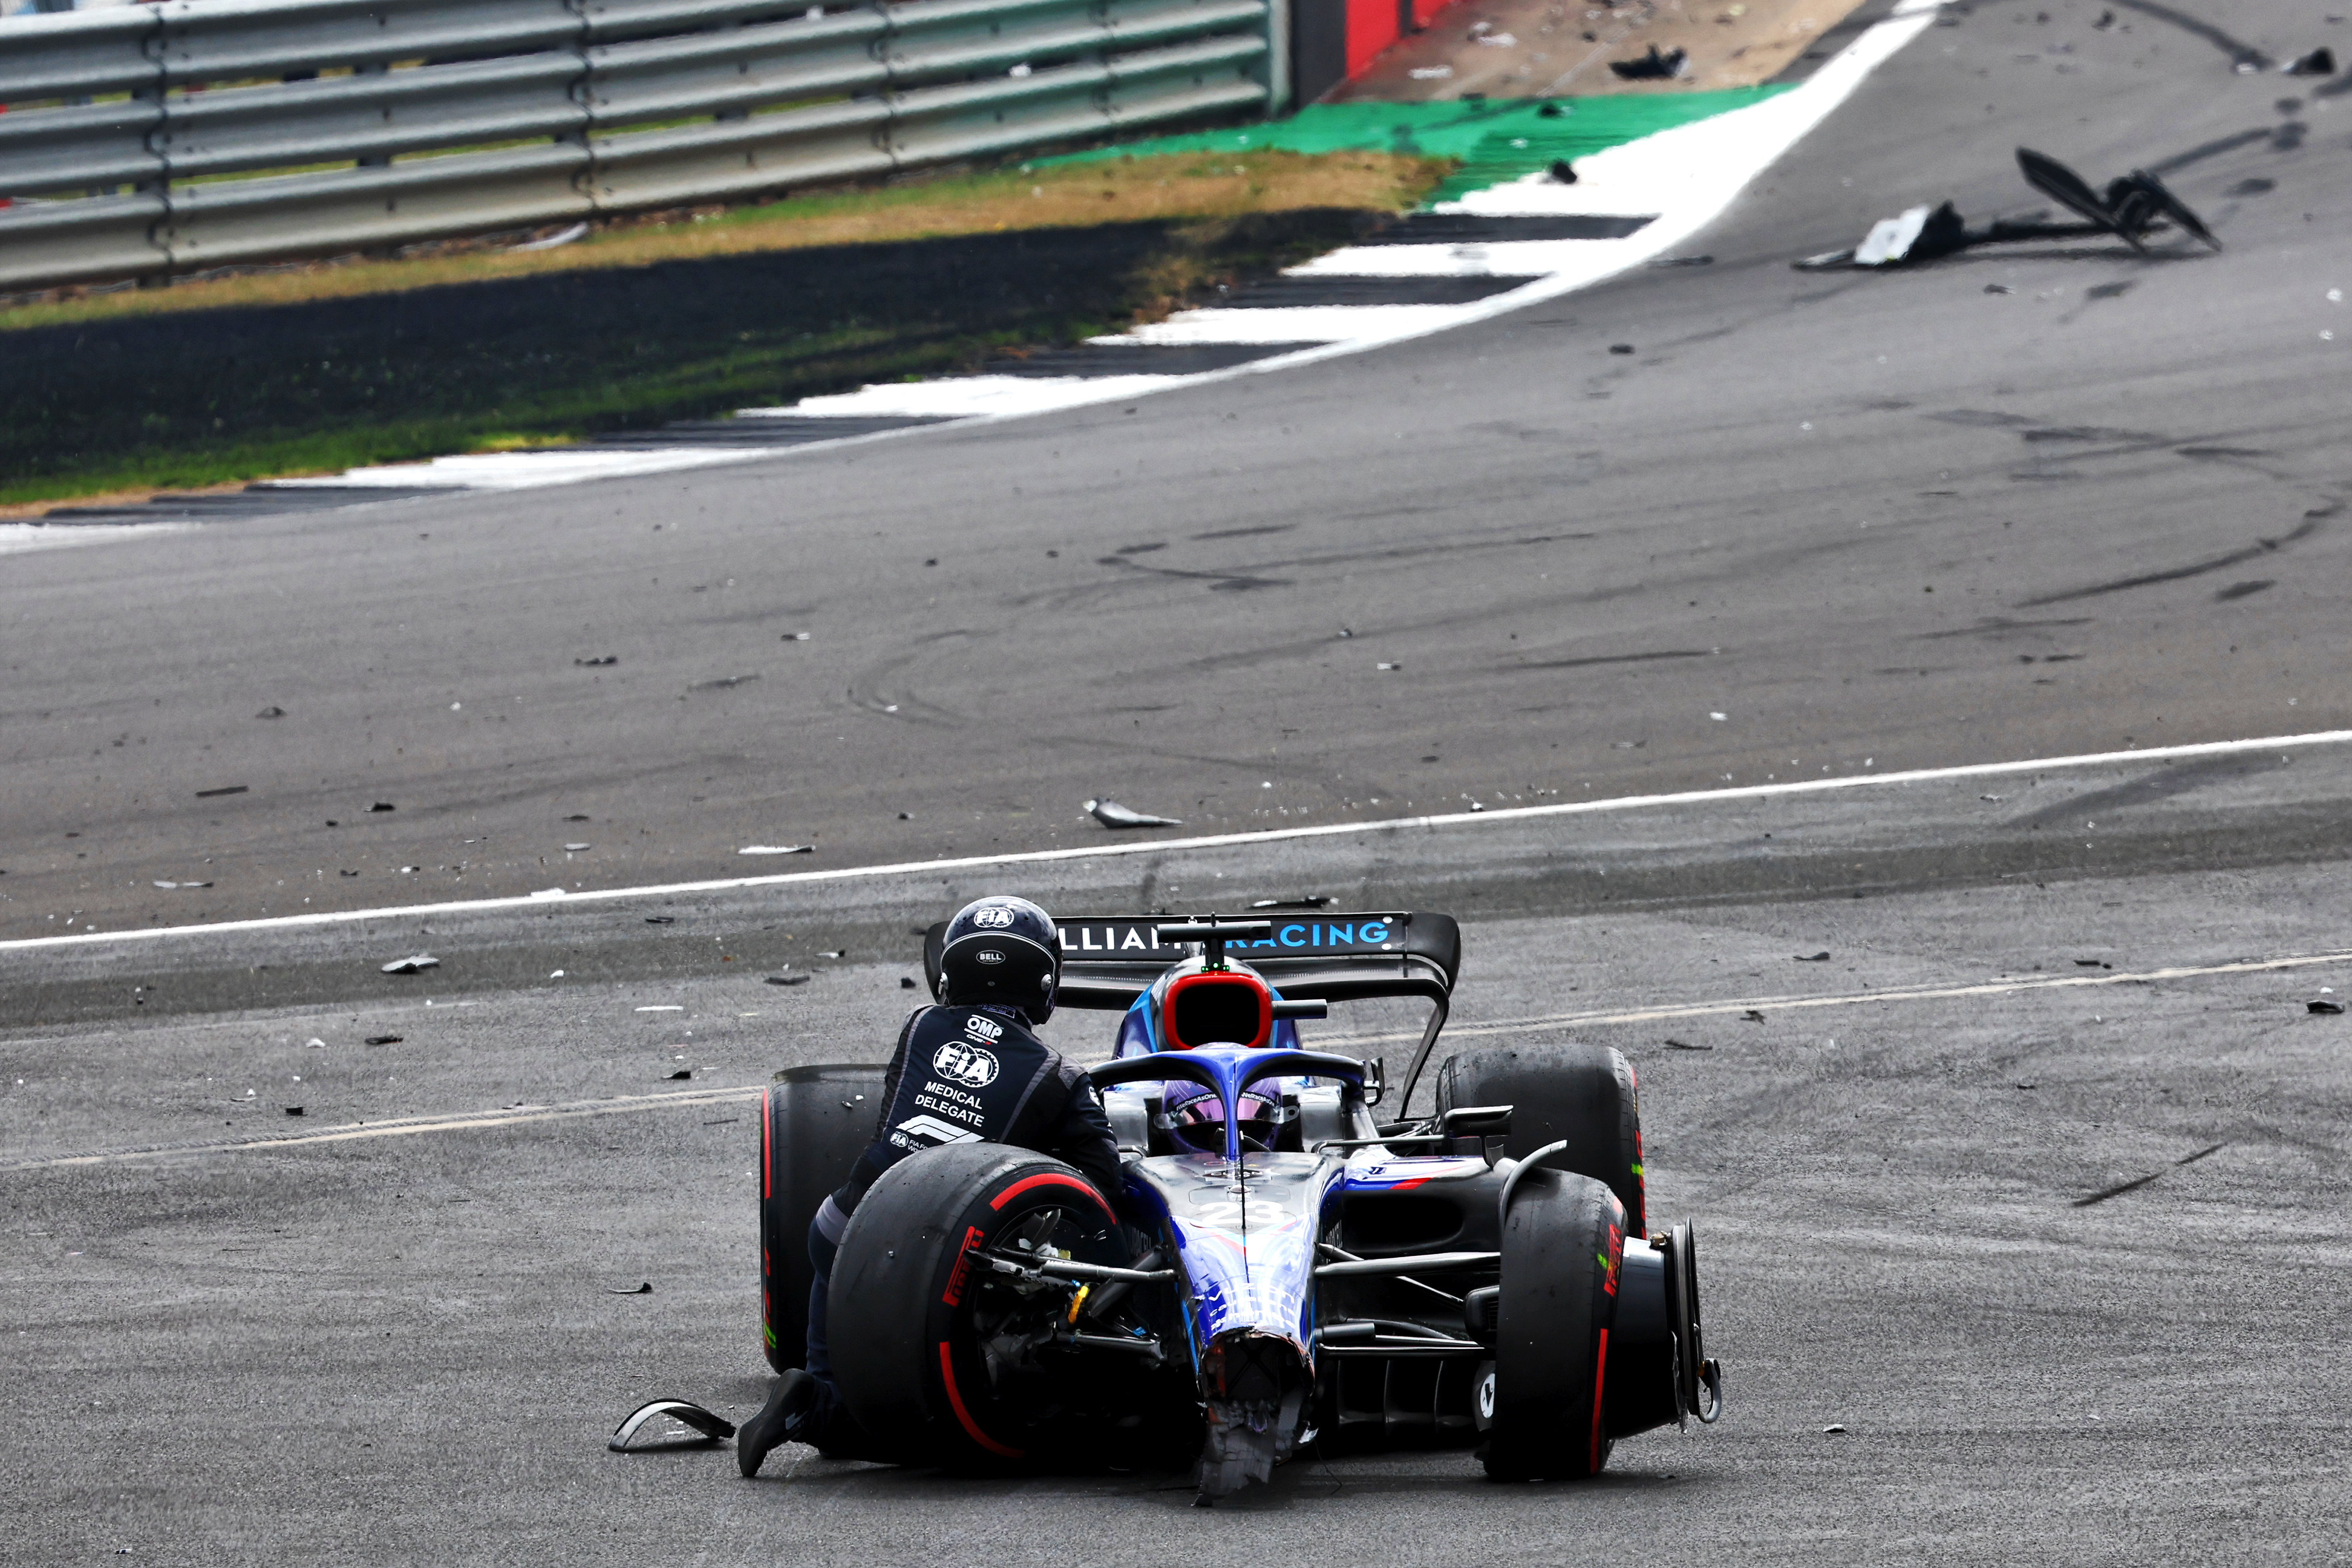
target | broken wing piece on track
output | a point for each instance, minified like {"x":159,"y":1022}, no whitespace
{"x":2134,"y":207}
{"x":712,"y":1428}
{"x":2071,"y":191}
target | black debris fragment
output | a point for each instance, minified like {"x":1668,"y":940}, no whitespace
{"x":383,"y":1039}
{"x":1834,"y":1428}
{"x":2323,"y":1005}
{"x":1562,"y":171}
{"x":1304,"y":902}
{"x":1654,"y":66}
{"x":383,"y":806}
{"x":1820,"y":957}
{"x":1684,"y":261}
{"x":293,"y":1111}
{"x":1110,"y":814}
{"x":661,"y":920}
{"x":593,"y":663}
{"x":710,"y":1428}
{"x":1999,"y":288}
{"x":224,"y":789}
{"x":2107,"y":19}
{"x":1686,"y":1045}
{"x":647,"y":1288}
{"x":681,"y":1074}
{"x":2120,"y":1188}
{"x":2321,"y":61}
{"x":790,"y":979}
{"x":1549,"y":111}
{"x":272,"y":711}
{"x":1752,"y":1016}
{"x":906,"y":983}
{"x":1621,"y":348}
{"x":417,"y":963}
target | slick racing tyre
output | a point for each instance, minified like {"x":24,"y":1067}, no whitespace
{"x":1563,"y":1247}
{"x":925,"y":1337}
{"x":1583,"y":1094}
{"x":812,"y":1122}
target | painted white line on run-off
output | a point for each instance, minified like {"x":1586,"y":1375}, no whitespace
{"x":515,"y":1116}
{"x":1459,"y":819}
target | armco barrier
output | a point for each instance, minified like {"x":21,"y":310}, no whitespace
{"x":153,"y":138}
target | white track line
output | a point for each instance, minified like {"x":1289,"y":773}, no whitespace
{"x":1209,"y":841}
{"x":624,"y":1104}
{"x":1851,"y":999}
{"x":402,"y":1127}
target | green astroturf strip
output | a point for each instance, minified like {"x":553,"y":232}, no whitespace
{"x":1496,"y":140}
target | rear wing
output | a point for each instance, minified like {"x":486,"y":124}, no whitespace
{"x":1109,"y":961}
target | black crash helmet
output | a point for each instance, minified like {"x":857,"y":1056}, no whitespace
{"x":1006,"y":951}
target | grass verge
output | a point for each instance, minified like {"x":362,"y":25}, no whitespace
{"x":320,"y":368}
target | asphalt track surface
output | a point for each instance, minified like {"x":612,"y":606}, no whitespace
{"x":381,"y":1348}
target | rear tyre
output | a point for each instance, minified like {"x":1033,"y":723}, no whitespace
{"x":812,"y":1122}
{"x":925,"y":1338}
{"x":1563,"y":1244}
{"x":1583,"y":1094}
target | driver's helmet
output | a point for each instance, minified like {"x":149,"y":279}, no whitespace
{"x":1196,"y":1117}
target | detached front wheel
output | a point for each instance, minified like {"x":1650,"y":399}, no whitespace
{"x":933,"y":1347}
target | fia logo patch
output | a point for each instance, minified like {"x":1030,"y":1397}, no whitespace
{"x":961,"y":1062}
{"x":995,"y":916}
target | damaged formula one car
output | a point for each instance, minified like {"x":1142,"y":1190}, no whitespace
{"x":1282,"y":1266}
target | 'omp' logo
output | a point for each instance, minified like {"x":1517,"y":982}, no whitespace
{"x":995,"y":915}
{"x":959,"y":1061}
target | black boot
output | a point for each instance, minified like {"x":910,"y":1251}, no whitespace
{"x":789,"y":1402}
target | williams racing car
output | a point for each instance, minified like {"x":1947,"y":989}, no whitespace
{"x":1283,"y":1266}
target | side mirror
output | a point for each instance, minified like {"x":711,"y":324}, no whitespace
{"x":1376,"y":1079}
{"x":1304,"y":1008}
{"x":1476,"y":1120}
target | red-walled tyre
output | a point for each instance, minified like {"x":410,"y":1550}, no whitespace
{"x":812,"y":1122}
{"x":1583,"y":1094}
{"x":912,"y":1307}
{"x":1563,"y":1244}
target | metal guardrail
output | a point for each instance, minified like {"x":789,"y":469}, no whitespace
{"x":156,"y":139}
